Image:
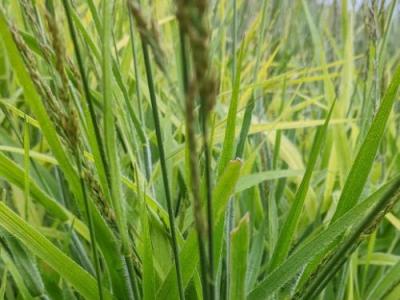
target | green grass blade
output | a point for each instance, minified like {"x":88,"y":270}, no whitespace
{"x":363,"y":162}
{"x":255,"y":258}
{"x":228,"y":146}
{"x":244,"y":130}
{"x":160,"y":146}
{"x":106,"y":239}
{"x":189,"y":254}
{"x":109,"y":125}
{"x":17,"y":277}
{"x":26,"y":265}
{"x":225,"y":187}
{"x":111,"y":250}
{"x":362,"y":165}
{"x":3,"y":285}
{"x":115,"y":67}
{"x":252,"y":180}
{"x":92,"y":232}
{"x":288,"y":230}
{"x":36,"y":105}
{"x":348,"y":245}
{"x":145,"y":144}
{"x":386,"y":284}
{"x":16,"y":175}
{"x":320,"y":243}
{"x":239,"y":252}
{"x":82,"y":281}
{"x":118,"y":201}
{"x":189,"y":258}
{"x":149,"y":289}
{"x":394,"y":294}
{"x":26,"y":167}
{"x":93,"y":131}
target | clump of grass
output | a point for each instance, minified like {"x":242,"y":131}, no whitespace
{"x":244,"y":151}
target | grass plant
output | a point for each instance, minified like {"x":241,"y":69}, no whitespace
{"x":198,"y":149}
